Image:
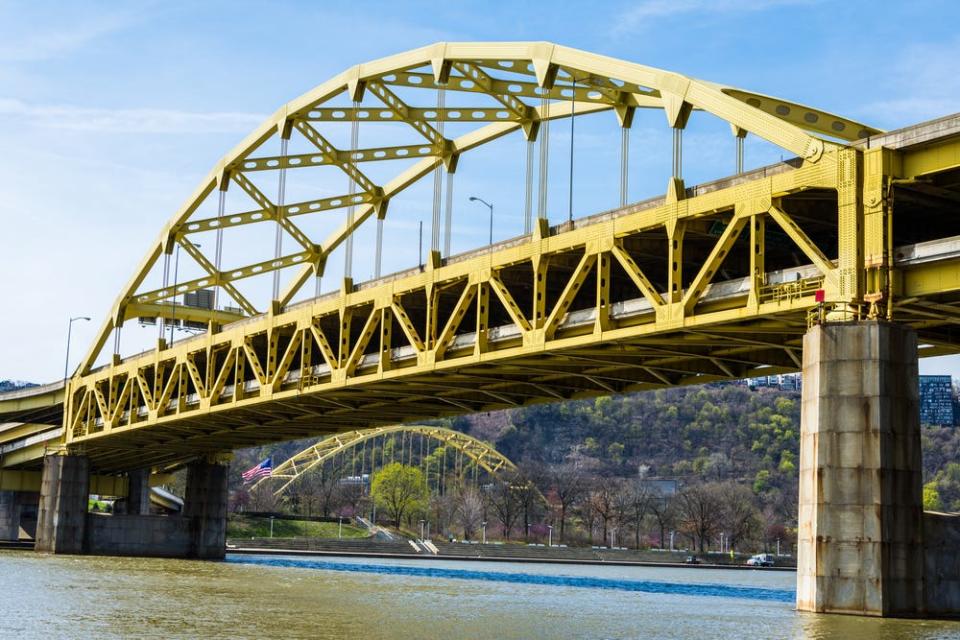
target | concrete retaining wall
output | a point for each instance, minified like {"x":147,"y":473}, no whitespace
{"x":941,"y":533}
{"x":138,"y":535}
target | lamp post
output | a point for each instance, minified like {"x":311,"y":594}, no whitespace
{"x":489,"y":206}
{"x":421,"y":528}
{"x":173,"y":299}
{"x":484,"y":526}
{"x":66,"y":363}
{"x":549,"y":535}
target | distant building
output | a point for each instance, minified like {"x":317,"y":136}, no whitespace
{"x":936,"y":401}
{"x":786,"y":382}
{"x":661,"y":487}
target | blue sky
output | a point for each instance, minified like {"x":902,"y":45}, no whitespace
{"x":110,"y":114}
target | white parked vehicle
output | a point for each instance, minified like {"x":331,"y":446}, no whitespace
{"x":761,"y":560}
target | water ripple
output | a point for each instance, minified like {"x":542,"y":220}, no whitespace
{"x":641,"y":586}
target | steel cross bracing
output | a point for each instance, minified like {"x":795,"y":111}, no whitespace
{"x":290,"y":470}
{"x":714,"y":282}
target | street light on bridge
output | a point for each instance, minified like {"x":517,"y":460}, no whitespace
{"x":489,"y":206}
{"x":66,"y":362}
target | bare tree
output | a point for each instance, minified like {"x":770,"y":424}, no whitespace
{"x":622,"y":511}
{"x":568,"y":486}
{"x":262,"y":499}
{"x":504,"y":501}
{"x":603,"y":501}
{"x":328,"y":494}
{"x":741,"y":518}
{"x":639,"y":497}
{"x":529,"y":497}
{"x":701,"y":512}
{"x":443,"y":511}
{"x":469,"y":511}
{"x":664,"y":510}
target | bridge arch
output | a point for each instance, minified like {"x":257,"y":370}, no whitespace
{"x":508,"y":80}
{"x":483,"y":455}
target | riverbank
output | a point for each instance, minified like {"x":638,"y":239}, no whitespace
{"x":494,"y":553}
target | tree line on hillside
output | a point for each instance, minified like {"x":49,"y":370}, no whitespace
{"x":564,"y":505}
{"x":587,"y":459}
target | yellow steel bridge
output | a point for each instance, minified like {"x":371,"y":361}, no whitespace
{"x":709,"y":282}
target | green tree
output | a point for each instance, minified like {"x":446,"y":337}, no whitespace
{"x":399,"y":490}
{"x":931,"y":497}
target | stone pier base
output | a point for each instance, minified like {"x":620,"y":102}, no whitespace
{"x":862,"y":547}
{"x":64,"y":497}
{"x":205,"y":504}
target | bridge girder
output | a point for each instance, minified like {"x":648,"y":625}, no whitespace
{"x":715,"y":282}
{"x":506,"y":73}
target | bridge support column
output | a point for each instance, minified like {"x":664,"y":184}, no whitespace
{"x":64,"y":496}
{"x":205,"y":504}
{"x":860,"y":539}
{"x":9,"y":516}
{"x":138,"y":492}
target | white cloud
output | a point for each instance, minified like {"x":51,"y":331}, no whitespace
{"x":44,"y":34}
{"x":643,"y":13}
{"x":76,"y":118}
{"x":923,"y":84}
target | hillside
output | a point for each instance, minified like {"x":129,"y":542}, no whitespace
{"x":719,"y":432}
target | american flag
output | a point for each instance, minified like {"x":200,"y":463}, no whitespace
{"x":261,"y":470}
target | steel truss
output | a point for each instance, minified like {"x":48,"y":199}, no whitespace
{"x":711,"y":283}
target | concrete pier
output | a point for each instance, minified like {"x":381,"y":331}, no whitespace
{"x":205,"y":504}
{"x":64,"y":496}
{"x":860,"y":539}
{"x":138,"y":492}
{"x":9,"y":516}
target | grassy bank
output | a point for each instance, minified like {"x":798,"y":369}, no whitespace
{"x":241,"y":526}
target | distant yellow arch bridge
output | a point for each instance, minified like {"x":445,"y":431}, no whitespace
{"x":479,"y":454}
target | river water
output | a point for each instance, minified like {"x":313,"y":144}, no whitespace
{"x":362,"y":598}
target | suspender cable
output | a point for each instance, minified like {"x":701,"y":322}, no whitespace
{"x":678,"y":153}
{"x":218,"y":254}
{"x":173,"y":298}
{"x":624,"y":163}
{"x":281,"y":191}
{"x":544,"y":158}
{"x":352,"y":209}
{"x":448,"y":216}
{"x":437,"y":178}
{"x":528,"y":202}
{"x":739,"y":155}
{"x":573,"y":104}
{"x":378,"y":258}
